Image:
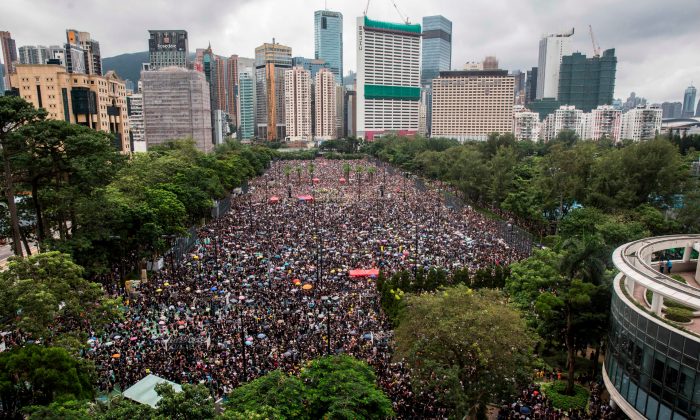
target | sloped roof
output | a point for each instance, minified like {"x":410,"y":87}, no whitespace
{"x":144,"y":391}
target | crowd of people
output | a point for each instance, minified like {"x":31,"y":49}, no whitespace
{"x":267,"y":287}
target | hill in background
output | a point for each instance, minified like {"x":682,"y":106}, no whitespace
{"x":127,"y":66}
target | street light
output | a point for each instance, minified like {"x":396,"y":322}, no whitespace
{"x":329,"y":303}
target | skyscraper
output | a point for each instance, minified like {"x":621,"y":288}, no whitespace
{"x":134,"y":107}
{"x":311,"y":65}
{"x":9,"y":56}
{"x":82,"y":53}
{"x":437,"y":47}
{"x":689,"y":102}
{"x":388,"y":77}
{"x":297,"y":104}
{"x":587,"y":82}
{"x":328,"y":41}
{"x":167,"y":48}
{"x":552,"y":48}
{"x":671,"y":109}
{"x":325,"y":105}
{"x":246,"y":104}
{"x":531,"y":85}
{"x":271,"y":61}
{"x":176,"y":105}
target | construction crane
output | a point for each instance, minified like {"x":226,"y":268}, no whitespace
{"x":403,"y":19}
{"x":366,"y":7}
{"x":596,"y":47}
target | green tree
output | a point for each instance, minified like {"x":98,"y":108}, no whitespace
{"x":282,"y":393}
{"x":468,"y":347}
{"x":60,"y":410}
{"x":194,"y":402}
{"x":36,"y":375}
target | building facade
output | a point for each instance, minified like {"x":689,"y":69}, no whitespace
{"x":98,"y":102}
{"x":587,"y":82}
{"x":9,"y":56}
{"x":671,"y":110}
{"x":531,"y":85}
{"x":310,"y":64}
{"x":526,"y":124}
{"x":350,"y":109}
{"x":436,"y":54}
{"x":388,"y":78}
{"x":641,"y":123}
{"x":564,"y":118}
{"x":34,"y":54}
{"x":176,"y":105}
{"x":137,"y":136}
{"x":605,"y":123}
{"x":271,"y":61}
{"x":651,"y":367}
{"x":297,"y":104}
{"x":80,"y":45}
{"x":470,"y":105}
{"x":325,"y":106}
{"x":689,"y":102}
{"x":246,"y":104}
{"x":167,"y":48}
{"x":552,"y":48}
{"x":328,"y":41}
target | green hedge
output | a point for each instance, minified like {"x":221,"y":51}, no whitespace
{"x":555,"y":392}
{"x":678,"y":314}
{"x":678,"y":278}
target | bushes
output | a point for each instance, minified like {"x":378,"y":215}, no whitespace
{"x":678,"y":314}
{"x":555,"y":392}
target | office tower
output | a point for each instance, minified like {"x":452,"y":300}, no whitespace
{"x":325,"y":105}
{"x":564,"y":118}
{"x":633,"y":101}
{"x":697,"y":108}
{"x":339,"y":108}
{"x":246,"y":104}
{"x":671,"y":110}
{"x":225,"y":87}
{"x":134,"y":108}
{"x":328,"y":41}
{"x":34,"y":54}
{"x":350,"y":80}
{"x":519,"y":87}
{"x":220,"y":126}
{"x":271,"y":61}
{"x":82,"y":53}
{"x":388,"y":77}
{"x":526,"y":124}
{"x":311,"y":65}
{"x":531,"y":85}
{"x":641,"y":123}
{"x":176,"y":105}
{"x":436,"y":55}
{"x":552,"y":48}
{"x":587,"y":82}
{"x":167,"y":48}
{"x":9,"y":56}
{"x":297,"y":104}
{"x":689,"y":102}
{"x":350,"y":109}
{"x":605,"y":123}
{"x":470,"y":105}
{"x":98,"y":102}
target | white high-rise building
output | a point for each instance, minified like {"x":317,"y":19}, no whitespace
{"x":134,"y":108}
{"x":388,"y":77}
{"x":526,"y":124}
{"x":297,"y":104}
{"x":552,"y":48}
{"x":564,"y":118}
{"x":606,"y":123}
{"x":641,"y":123}
{"x":325,"y":100}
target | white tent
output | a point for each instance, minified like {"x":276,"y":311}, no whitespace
{"x":144,"y":391}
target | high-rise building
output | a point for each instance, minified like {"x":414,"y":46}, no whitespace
{"x":297,"y":104}
{"x":526,"y":124}
{"x":641,"y":123}
{"x":98,"y":102}
{"x":2,"y":80}
{"x":134,"y":108}
{"x":246,"y":104}
{"x":34,"y":54}
{"x":697,"y":108}
{"x":671,"y":110}
{"x":57,"y":55}
{"x":271,"y":61}
{"x":221,"y":128}
{"x":519,"y":87}
{"x":689,"y":102}
{"x":388,"y":77}
{"x":325,"y":105}
{"x":82,"y":53}
{"x":564,"y":118}
{"x":176,"y":105}
{"x":470,"y":105}
{"x":350,"y":112}
{"x":552,"y":48}
{"x":633,"y":101}
{"x":606,"y":123}
{"x":328,"y":41}
{"x":310,"y":64}
{"x":531,"y":85}
{"x":437,"y":48}
{"x":9,"y":56}
{"x":587,"y":82}
{"x":490,"y":63}
{"x":167,"y":48}
{"x":222,"y":75}
{"x":339,"y":108}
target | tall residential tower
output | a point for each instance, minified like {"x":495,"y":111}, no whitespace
{"x":328,"y":41}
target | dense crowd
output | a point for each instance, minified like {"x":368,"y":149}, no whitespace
{"x":266,"y":283}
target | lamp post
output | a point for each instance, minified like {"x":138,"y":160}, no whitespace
{"x":329,"y":303}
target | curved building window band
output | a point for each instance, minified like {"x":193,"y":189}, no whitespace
{"x":651,"y":367}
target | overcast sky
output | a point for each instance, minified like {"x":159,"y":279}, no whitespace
{"x":657,"y":42}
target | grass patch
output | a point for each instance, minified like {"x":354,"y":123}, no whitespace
{"x":555,"y":392}
{"x":678,"y":314}
{"x":678,"y":278}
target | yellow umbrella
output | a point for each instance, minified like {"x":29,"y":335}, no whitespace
{"x":307,"y":286}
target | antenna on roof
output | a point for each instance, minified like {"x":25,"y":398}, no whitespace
{"x":366,"y":7}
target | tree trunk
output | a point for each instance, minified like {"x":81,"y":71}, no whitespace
{"x":11,"y":206}
{"x":40,"y":230}
{"x":26,"y":243}
{"x":570,"y":355}
{"x":596,"y":355}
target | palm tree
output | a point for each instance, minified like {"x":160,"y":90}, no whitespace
{"x":298,"y":170}
{"x":371,"y":171}
{"x":346,"y":171}
{"x":287,"y":172}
